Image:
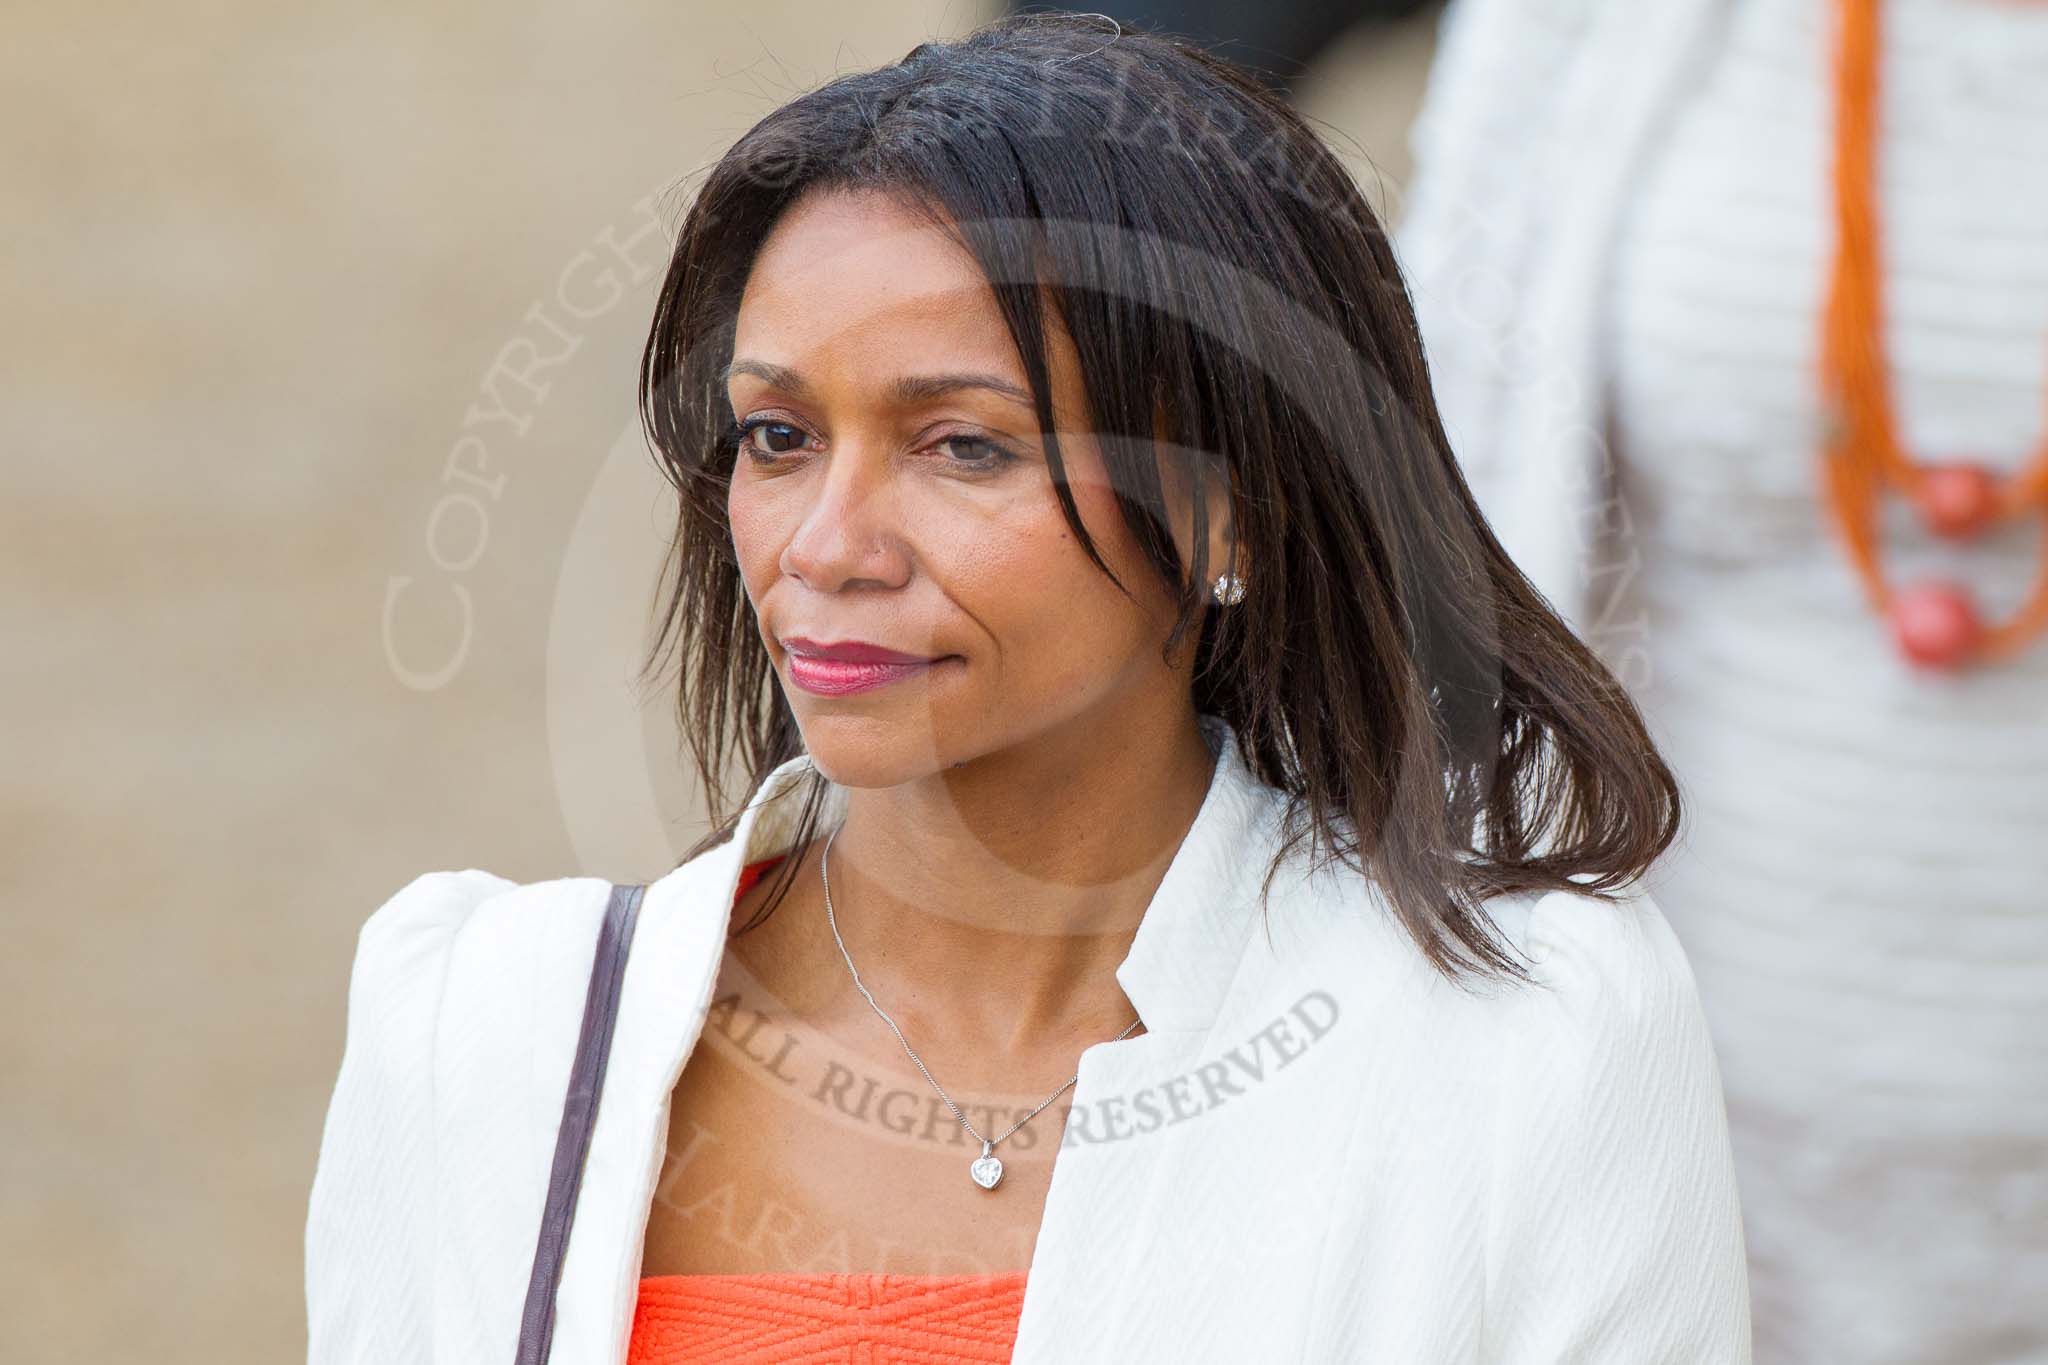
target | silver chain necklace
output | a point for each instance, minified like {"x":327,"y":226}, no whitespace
{"x":987,"y":1168}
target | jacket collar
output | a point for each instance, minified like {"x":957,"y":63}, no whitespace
{"x":1177,"y":972}
{"x":1187,"y":944}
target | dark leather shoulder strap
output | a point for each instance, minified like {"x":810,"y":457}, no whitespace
{"x":579,"y":1112}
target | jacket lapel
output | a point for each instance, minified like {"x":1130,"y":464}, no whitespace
{"x":1526,"y":376}
{"x":670,"y":974}
{"x":1178,"y":973}
{"x":1560,"y":506}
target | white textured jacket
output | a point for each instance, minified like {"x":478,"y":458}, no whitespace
{"x":1318,"y":1150}
{"x":1532,"y":134}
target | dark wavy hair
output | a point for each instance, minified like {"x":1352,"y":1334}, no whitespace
{"x":1233,"y":299}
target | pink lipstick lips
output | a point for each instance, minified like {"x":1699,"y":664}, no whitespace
{"x":843,"y":667}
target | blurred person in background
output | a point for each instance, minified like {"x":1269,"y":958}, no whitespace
{"x":1738,"y":314}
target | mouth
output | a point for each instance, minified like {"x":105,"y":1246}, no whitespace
{"x":842,"y":667}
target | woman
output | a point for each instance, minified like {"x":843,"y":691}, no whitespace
{"x":1124,"y":682}
{"x":1739,"y":315}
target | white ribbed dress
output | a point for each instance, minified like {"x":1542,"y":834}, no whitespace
{"x":1864,"y":890}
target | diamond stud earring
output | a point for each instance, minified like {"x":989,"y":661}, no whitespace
{"x":1228,"y":590}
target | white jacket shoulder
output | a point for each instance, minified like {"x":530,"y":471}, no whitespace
{"x":410,"y":931}
{"x":369,"y":1224}
{"x":1615,"y":1230}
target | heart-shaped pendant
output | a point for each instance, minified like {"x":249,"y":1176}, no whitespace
{"x":987,"y":1168}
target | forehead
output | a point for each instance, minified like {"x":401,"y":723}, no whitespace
{"x":859,"y":278}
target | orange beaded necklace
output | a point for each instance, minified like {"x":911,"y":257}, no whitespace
{"x":1934,"y":623}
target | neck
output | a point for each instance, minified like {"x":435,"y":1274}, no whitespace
{"x":988,"y":905}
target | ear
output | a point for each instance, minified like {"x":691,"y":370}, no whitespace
{"x":1219,"y":497}
{"x":1214,"y":483}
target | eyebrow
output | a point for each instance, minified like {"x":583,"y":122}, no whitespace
{"x":907,"y":389}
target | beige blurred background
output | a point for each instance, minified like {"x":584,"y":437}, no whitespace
{"x":329,"y":547}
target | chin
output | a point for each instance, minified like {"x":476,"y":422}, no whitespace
{"x":873,"y":746}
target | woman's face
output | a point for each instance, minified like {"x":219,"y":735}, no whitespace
{"x":891,"y":491}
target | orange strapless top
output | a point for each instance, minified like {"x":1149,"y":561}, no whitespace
{"x":773,"y":1319}
{"x":824,"y":1319}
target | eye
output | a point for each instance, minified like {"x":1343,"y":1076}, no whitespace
{"x":976,"y":453}
{"x":767,"y":440}
{"x":772,"y":430}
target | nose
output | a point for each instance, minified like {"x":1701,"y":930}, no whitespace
{"x":849,"y":535}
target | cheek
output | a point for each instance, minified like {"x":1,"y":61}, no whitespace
{"x":757,"y":536}
{"x":1052,"y":615}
